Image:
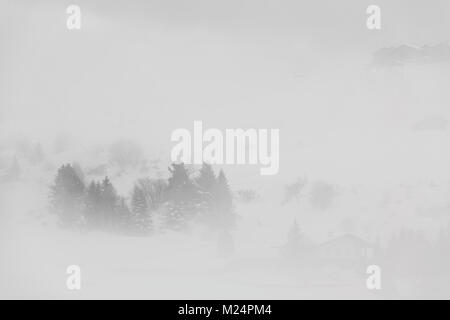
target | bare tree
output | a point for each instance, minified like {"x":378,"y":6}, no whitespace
{"x":294,"y":190}
{"x":154,"y":191}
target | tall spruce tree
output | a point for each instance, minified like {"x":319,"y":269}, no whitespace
{"x":79,"y":171}
{"x":92,"y":210}
{"x":66,"y":196}
{"x":224,"y":202}
{"x":182,"y":198}
{"x":141,"y":210}
{"x":296,"y":245}
{"x":108,"y":204}
{"x":206,"y":179}
{"x":206,"y":182}
{"x":103,"y":208}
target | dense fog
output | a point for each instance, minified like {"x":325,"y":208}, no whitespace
{"x":87,"y":179}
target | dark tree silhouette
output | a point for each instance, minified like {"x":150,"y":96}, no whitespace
{"x":206,"y":179}
{"x":178,"y":201}
{"x":224,"y":202}
{"x":67,"y":196}
{"x":141,"y":209}
{"x":207,"y":183}
{"x":108,"y":203}
{"x":93,"y":204}
{"x":182,"y":198}
{"x":294,"y":190}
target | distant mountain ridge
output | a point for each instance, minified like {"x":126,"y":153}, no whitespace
{"x":408,"y":54}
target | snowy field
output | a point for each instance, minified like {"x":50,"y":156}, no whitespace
{"x":35,"y":254}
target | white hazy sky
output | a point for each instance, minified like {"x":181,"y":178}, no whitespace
{"x":141,"y":69}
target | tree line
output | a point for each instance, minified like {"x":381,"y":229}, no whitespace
{"x":179,"y":201}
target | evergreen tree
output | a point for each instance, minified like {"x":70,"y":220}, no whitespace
{"x":93,"y":204}
{"x":139,"y":203}
{"x":224,"y":202}
{"x":104,"y":208}
{"x":108,"y":203}
{"x":182,"y":197}
{"x":206,"y":182}
{"x":141,"y":209}
{"x":78,"y":170}
{"x":206,"y":179}
{"x":295,"y":246}
{"x":67,"y":196}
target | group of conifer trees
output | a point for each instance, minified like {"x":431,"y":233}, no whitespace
{"x":177,"y":203}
